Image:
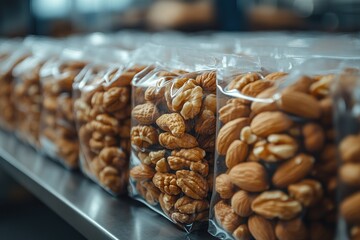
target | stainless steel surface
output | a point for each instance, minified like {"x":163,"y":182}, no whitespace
{"x":84,"y":205}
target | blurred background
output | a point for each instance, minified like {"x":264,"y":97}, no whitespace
{"x":64,"y":17}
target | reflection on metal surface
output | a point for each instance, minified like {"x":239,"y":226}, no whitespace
{"x":92,"y":211}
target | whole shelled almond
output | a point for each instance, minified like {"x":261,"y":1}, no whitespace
{"x":241,"y":203}
{"x":267,"y":123}
{"x":224,"y":186}
{"x":293,"y":170}
{"x":236,"y":153}
{"x":301,"y":85}
{"x":242,"y":233}
{"x":250,"y":176}
{"x":350,"y":208}
{"x":233,"y":110}
{"x":350,"y":148}
{"x":290,"y":230}
{"x":314,"y":137}
{"x":264,"y":101}
{"x":350,"y":174}
{"x":299,"y":104}
{"x":229,"y":133}
{"x":276,"y":204}
{"x":261,"y":228}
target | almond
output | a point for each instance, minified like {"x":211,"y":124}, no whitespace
{"x":290,"y":230}
{"x":236,"y":153}
{"x":299,"y":104}
{"x":264,"y":101}
{"x":250,"y":176}
{"x":241,"y":203}
{"x":350,"y":174}
{"x":226,"y":217}
{"x":228,"y":133}
{"x":260,"y":228}
{"x":293,"y":170}
{"x":350,"y":148}
{"x":276,"y":204}
{"x":267,"y":123}
{"x":308,"y":192}
{"x":233,"y":110}
{"x":314,"y":137}
{"x":301,"y":85}
{"x":275,"y":75}
{"x":254,"y":88}
{"x":242,"y":233}
{"x":224,"y":186}
{"x":350,"y":208}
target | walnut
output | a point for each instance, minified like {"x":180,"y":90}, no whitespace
{"x":172,"y":122}
{"x":65,"y":107}
{"x":143,"y":136}
{"x":154,"y":94}
{"x":123,"y":113}
{"x":68,"y":151}
{"x":171,"y":142}
{"x":226,"y":216}
{"x":82,"y":111}
{"x":184,"y":97}
{"x":142,"y":173}
{"x":115,"y":157}
{"x":124,"y":129}
{"x":240,"y":81}
{"x":189,"y":159}
{"x":112,"y":100}
{"x":152,"y":157}
{"x":207,"y":81}
{"x":188,"y":205}
{"x":167,"y":202}
{"x":162,"y":166}
{"x":100,"y":141}
{"x":111,"y":179}
{"x":145,"y":113}
{"x":206,"y":123}
{"x":192,"y":184}
{"x":166,"y":182}
{"x":207,"y":142}
{"x":105,"y":124}
{"x":209,"y":103}
{"x":148,"y":191}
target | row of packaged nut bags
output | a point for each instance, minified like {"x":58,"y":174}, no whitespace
{"x":347,"y":119}
{"x":58,"y":136}
{"x":12,"y":58}
{"x":275,"y":154}
{"x":173,"y":137}
{"x":27,"y":95}
{"x":102,"y":104}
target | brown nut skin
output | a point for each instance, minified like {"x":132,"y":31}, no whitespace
{"x":226,"y":217}
{"x":192,"y":184}
{"x":142,"y":172}
{"x":232,"y":111}
{"x":146,"y":113}
{"x":241,"y":203}
{"x":236,"y":153}
{"x":173,"y":123}
{"x":291,"y":230}
{"x":143,"y":136}
{"x":242,"y":233}
{"x":350,"y":148}
{"x":169,"y":141}
{"x":350,"y":174}
{"x":267,"y":123}
{"x":350,"y":208}
{"x":261,"y":228}
{"x":308,"y":192}
{"x":250,"y":176}
{"x":314,"y":137}
{"x":224,"y":186}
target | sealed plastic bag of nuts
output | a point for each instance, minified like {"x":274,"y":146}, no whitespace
{"x":275,"y":153}
{"x":14,"y":53}
{"x":173,"y":135}
{"x":102,"y":104}
{"x":58,"y":136}
{"x":27,"y":95}
{"x":347,"y":120}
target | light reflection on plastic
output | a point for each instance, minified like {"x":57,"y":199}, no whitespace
{"x":51,"y":9}
{"x":93,"y":6}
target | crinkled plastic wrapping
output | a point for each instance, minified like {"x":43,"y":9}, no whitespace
{"x":347,"y":120}
{"x":173,"y":125}
{"x":58,"y":135}
{"x":102,"y":104}
{"x":275,"y":172}
{"x":27,"y":95}
{"x":11,"y":56}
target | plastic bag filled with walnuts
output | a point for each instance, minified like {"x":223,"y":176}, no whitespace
{"x":58,"y":136}
{"x":102,"y":104}
{"x":347,"y":120}
{"x":27,"y":95}
{"x":12,"y":55}
{"x":275,"y":153}
{"x":173,"y":135}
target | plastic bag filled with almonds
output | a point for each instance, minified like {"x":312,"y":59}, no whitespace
{"x":102,"y":104}
{"x":347,"y":119}
{"x":58,"y":136}
{"x":14,"y":53}
{"x":173,"y":124}
{"x":27,"y":95}
{"x":275,"y":153}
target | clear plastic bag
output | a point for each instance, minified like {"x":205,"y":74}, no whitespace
{"x":102,"y":95}
{"x":173,"y":135}
{"x":347,"y":120}
{"x":27,"y":95}
{"x":12,"y":56}
{"x":58,"y":136}
{"x":275,"y":153}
